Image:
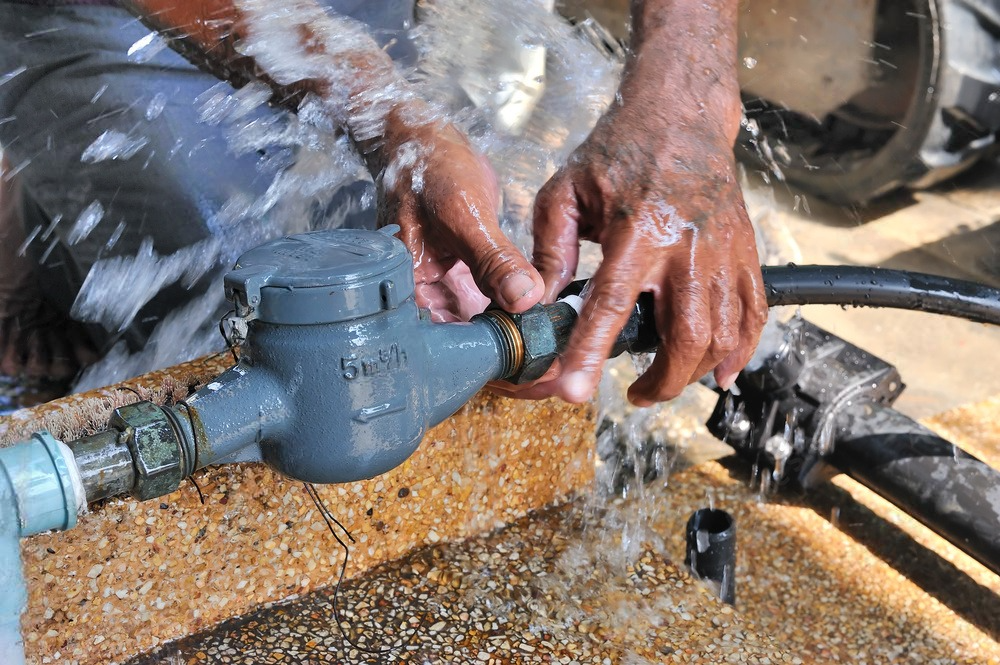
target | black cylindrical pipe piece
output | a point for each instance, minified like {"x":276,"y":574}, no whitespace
{"x":711,"y":550}
{"x":880,"y":287}
{"x":949,"y":490}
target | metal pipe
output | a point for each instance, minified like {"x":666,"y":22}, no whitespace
{"x":40,"y":490}
{"x":950,"y":491}
{"x":105,"y":465}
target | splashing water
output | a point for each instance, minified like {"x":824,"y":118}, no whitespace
{"x":117,"y":288}
{"x":146,"y":48}
{"x":86,"y":222}
{"x":156,"y":106}
{"x":539,"y":83}
{"x":113,"y":145}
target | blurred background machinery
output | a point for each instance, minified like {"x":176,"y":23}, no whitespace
{"x":853,"y":99}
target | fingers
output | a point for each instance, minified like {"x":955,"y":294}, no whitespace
{"x":754,"y":316}
{"x":537,"y":389}
{"x":609,"y":301}
{"x":684,"y":320}
{"x":556,"y":228}
{"x":469,"y":223}
{"x":726,"y":310}
{"x":502,"y":273}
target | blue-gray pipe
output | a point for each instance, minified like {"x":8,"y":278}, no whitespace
{"x":305,"y":406}
{"x":40,"y":490}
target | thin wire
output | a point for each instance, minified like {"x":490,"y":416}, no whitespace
{"x":229,"y":341}
{"x":330,"y":520}
{"x":131,"y":390}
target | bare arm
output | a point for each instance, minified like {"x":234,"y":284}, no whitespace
{"x":431,"y":182}
{"x":655,"y":185}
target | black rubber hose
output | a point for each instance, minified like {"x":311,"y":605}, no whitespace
{"x":949,"y":490}
{"x":784,"y":285}
{"x":880,"y":287}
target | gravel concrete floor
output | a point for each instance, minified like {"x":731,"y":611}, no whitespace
{"x":819,"y":580}
{"x":838,"y":576}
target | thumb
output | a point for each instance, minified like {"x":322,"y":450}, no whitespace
{"x":498,"y":267}
{"x":502,"y":273}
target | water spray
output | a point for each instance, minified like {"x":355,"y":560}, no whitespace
{"x":340,"y":375}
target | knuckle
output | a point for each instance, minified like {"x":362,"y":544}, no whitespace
{"x":756,"y":316}
{"x":724,"y":342}
{"x":496,"y":263}
{"x":692,"y":336}
{"x":666,"y":390}
{"x":548,"y":193}
{"x":547,"y":256}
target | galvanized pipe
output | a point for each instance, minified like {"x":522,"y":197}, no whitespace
{"x":105,"y":465}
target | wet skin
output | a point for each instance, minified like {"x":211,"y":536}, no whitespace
{"x":449,"y":223}
{"x":654,"y":184}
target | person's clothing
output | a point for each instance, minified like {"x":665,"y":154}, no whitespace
{"x":66,"y":79}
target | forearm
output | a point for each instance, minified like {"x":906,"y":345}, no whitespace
{"x":296,"y":48}
{"x":682,"y":61}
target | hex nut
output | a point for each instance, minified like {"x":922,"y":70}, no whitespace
{"x":541,"y":345}
{"x":156,"y":451}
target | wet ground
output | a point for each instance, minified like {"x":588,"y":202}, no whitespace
{"x":827,"y":578}
{"x":819,"y":580}
{"x":823,"y":579}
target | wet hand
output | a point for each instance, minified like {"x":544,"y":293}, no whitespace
{"x":661,"y":197}
{"x":445,"y":198}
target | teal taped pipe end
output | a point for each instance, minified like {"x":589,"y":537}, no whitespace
{"x":40,"y":490}
{"x":46,"y":483}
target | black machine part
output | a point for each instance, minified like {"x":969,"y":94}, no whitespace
{"x":802,"y":410}
{"x":543,"y":331}
{"x":820,"y":405}
{"x":928,"y":110}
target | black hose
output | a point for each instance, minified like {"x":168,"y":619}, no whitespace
{"x":949,"y":490}
{"x":880,"y":287}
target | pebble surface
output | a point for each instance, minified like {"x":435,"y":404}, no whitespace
{"x":526,"y":594}
{"x":836,"y":576}
{"x":133,"y":575}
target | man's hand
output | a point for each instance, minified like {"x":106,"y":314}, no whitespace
{"x":445,"y":198}
{"x":655,"y":185}
{"x":669,"y":216}
{"x":432,"y":183}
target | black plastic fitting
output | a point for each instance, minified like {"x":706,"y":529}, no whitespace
{"x":711,"y":550}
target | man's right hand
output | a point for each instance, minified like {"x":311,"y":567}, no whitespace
{"x":445,"y":198}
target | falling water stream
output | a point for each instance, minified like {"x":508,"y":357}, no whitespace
{"x":537,"y":84}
